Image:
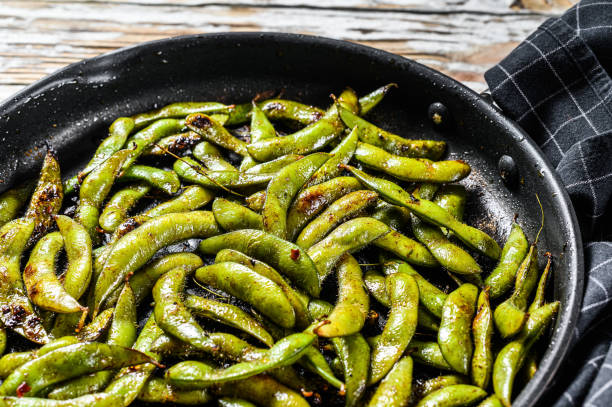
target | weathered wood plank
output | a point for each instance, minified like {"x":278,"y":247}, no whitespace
{"x":459,"y":37}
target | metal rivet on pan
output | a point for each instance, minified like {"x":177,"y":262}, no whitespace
{"x":507,"y":170}
{"x":438,"y":114}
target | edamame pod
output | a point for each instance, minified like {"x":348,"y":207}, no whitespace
{"x":341,"y":154}
{"x":396,"y":217}
{"x":172,"y":315}
{"x":44,"y":288}
{"x":283,"y":188}
{"x":193,"y":197}
{"x":197,"y":374}
{"x":482,"y":329}
{"x":457,"y":395}
{"x":491,"y":401}
{"x":261,"y":128}
{"x":91,"y":400}
{"x":512,"y":356}
{"x":143,"y":139}
{"x":395,"y":389}
{"x":282,"y":255}
{"x":454,"y":336}
{"x":428,"y":353}
{"x":372,"y":99}
{"x":92,"y":331}
{"x":540,"y":294}
{"x":343,"y":209}
{"x":394,"y":144}
{"x":313,"y":200}
{"x":410,"y":169}
{"x":424,"y":388}
{"x":375,"y":283}
{"x":346,"y":238}
{"x":180,"y":109}
{"x":190,"y":171}
{"x":452,"y":198}
{"x":166,"y":181}
{"x":232,"y":402}
{"x":117,"y":208}
{"x":510,"y":315}
{"x":274,"y":166}
{"x":298,"y":300}
{"x":245,"y":284}
{"x":228,"y":314}
{"x":94,"y":190}
{"x":47,"y":198}
{"x":175,"y":144}
{"x":233,"y":216}
{"x":159,"y":391}
{"x":211,"y":157}
{"x":400,"y":327}
{"x":78,"y":250}
{"x":17,"y":312}
{"x":256,"y":201}
{"x":159,"y":232}
{"x":12,"y":200}
{"x":215,"y":133}
{"x":68,"y":362}
{"x":351,"y":309}
{"x":501,"y":278}
{"x":282,"y":109}
{"x":12,"y":361}
{"x":262,"y":389}
{"x":431,"y":213}
{"x":406,"y":249}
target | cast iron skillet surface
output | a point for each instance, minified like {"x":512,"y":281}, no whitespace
{"x":72,"y":109}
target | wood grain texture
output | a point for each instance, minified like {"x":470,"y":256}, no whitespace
{"x":462,"y":38}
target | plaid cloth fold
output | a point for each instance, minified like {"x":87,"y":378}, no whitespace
{"x":557,"y":86}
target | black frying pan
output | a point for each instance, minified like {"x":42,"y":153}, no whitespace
{"x":71,"y":110}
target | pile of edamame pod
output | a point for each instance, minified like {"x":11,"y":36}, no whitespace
{"x":270,"y":253}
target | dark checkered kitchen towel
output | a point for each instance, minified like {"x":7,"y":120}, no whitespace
{"x":557,"y":85}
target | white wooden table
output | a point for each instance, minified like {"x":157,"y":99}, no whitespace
{"x":462,"y":38}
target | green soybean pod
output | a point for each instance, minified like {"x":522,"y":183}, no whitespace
{"x":351,"y":309}
{"x":233,"y":216}
{"x":510,"y":315}
{"x":452,"y":198}
{"x":118,"y":133}
{"x":245,"y":284}
{"x":282,"y":255}
{"x":179,"y":109}
{"x":396,"y":217}
{"x":175,"y":144}
{"x":283,"y":188}
{"x":78,"y":250}
{"x":191,"y":198}
{"x":406,"y":249}
{"x":424,"y":388}
{"x":309,"y":139}
{"x":190,"y":171}
{"x":410,"y":169}
{"x":261,"y":128}
{"x":158,"y":390}
{"x":454,"y":336}
{"x":394,"y":144}
{"x":12,"y":361}
{"x":143,"y":139}
{"x":68,"y":362}
{"x":211,"y":157}
{"x":345,"y":208}
{"x":117,"y":207}
{"x":47,"y":197}
{"x":94,"y":190}
{"x":395,"y":389}
{"x":430,"y":296}
{"x":228,"y":314}
{"x":42,"y":284}
{"x":12,"y":200}
{"x":428,"y":353}
{"x":233,"y":402}
{"x":172,"y":315}
{"x":298,"y":300}
{"x":215,"y":133}
{"x":92,"y":331}
{"x":282,"y":109}
{"x":346,"y":238}
{"x":263,"y":390}
{"x":313,"y":200}
{"x":400,"y":327}
{"x":153,"y":235}
{"x":482,"y":330}
{"x":431,"y":213}
{"x":502,"y":277}
{"x":166,"y":181}
{"x":491,"y":401}
{"x":18,"y":314}
{"x":372,"y":99}
{"x":274,"y":166}
{"x":197,"y":374}
{"x":375,"y":283}
{"x":341,"y":154}
{"x":540,"y":294}
{"x":92,"y":400}
{"x":256,"y":201}
{"x":530,"y":366}
{"x":457,"y":395}
{"x":510,"y":359}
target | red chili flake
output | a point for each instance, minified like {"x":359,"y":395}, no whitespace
{"x":295,"y":254}
{"x":22,"y":389}
{"x":306,"y":393}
